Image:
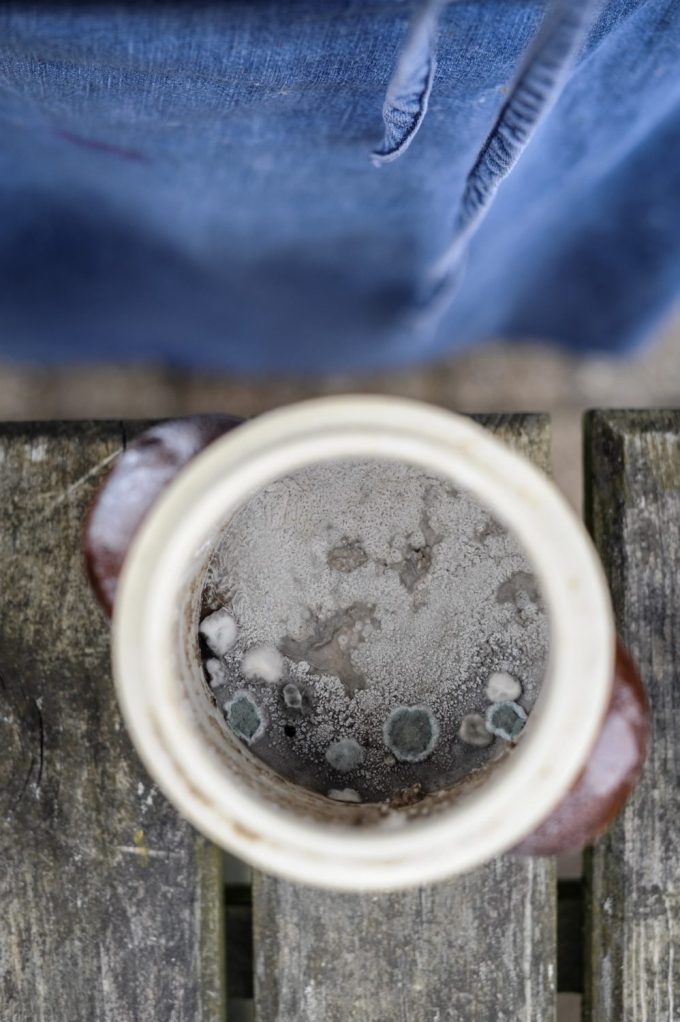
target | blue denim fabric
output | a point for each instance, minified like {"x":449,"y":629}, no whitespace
{"x":310,"y":184}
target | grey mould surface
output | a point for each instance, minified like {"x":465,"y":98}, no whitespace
{"x":393,"y":598}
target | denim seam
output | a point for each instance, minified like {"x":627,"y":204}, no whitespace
{"x":536,"y":88}
{"x":408,"y":92}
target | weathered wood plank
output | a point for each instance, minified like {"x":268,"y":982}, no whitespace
{"x":633,"y":872}
{"x":112,"y":905}
{"x":480,"y":948}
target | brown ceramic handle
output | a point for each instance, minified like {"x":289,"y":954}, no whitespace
{"x":610,"y":774}
{"x":140,"y":474}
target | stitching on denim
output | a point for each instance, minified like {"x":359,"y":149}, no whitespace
{"x":535,"y":90}
{"x":409,"y":90}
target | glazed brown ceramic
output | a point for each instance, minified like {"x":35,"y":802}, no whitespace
{"x":139,"y":476}
{"x":609,"y":775}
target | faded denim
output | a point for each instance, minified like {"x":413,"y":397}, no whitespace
{"x":273,"y":185}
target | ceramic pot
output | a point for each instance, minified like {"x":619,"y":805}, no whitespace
{"x":148,"y":540}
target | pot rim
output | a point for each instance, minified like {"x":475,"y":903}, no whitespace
{"x":562,"y":727}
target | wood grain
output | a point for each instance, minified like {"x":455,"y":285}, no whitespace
{"x":112,"y":905}
{"x":480,"y":948}
{"x":633,"y":872}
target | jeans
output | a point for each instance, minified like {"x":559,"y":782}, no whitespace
{"x":307,"y":185}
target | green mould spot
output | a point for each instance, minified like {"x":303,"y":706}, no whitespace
{"x":244,"y":717}
{"x":344,"y":795}
{"x":503,"y":688}
{"x":411,"y":733}
{"x":506,"y":720}
{"x":345,"y":755}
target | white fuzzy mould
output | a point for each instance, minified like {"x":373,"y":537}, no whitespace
{"x":345,"y":755}
{"x":344,"y":795}
{"x":263,"y":662}
{"x":502,"y":688}
{"x":216,"y":671}
{"x":219,"y":630}
{"x":473,"y":730}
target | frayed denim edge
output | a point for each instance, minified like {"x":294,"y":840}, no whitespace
{"x":408,"y":93}
{"x":534,"y":92}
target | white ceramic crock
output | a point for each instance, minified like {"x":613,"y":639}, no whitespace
{"x":234,"y":798}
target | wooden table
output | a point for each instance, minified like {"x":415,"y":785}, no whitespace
{"x":114,"y":909}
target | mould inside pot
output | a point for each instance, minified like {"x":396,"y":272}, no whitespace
{"x":370,"y":632}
